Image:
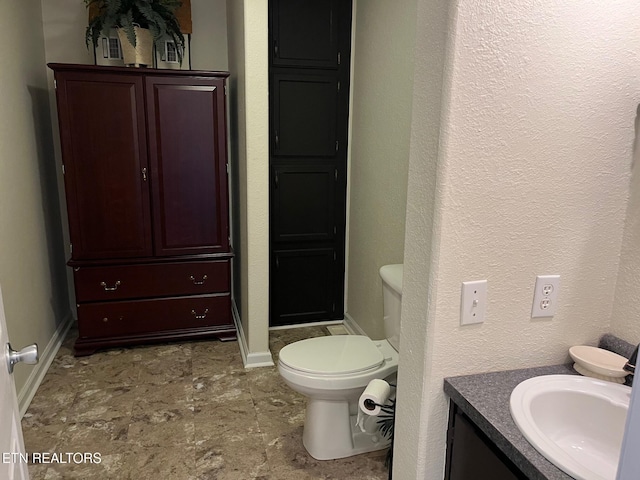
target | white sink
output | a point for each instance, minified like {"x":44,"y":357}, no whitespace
{"x":577,"y":423}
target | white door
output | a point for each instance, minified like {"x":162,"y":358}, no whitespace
{"x":12,"y":455}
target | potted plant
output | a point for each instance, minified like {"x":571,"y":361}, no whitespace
{"x":140,"y":23}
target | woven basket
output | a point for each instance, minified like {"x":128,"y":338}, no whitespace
{"x":142,"y":53}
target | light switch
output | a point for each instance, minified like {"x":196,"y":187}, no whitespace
{"x":473,"y":302}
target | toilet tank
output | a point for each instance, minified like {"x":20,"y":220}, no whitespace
{"x":392,"y":301}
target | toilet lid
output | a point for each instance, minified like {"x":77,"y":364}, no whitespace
{"x":339,"y":354}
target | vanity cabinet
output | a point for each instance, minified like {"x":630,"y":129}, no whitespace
{"x":471,"y":455}
{"x":145,"y":169}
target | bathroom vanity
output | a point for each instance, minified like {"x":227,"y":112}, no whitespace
{"x":483,"y":442}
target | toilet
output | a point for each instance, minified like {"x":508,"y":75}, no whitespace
{"x":333,"y":372}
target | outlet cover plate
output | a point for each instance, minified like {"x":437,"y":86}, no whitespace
{"x":545,"y":296}
{"x":473,"y":302}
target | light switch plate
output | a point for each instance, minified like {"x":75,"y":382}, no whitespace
{"x":473,"y":302}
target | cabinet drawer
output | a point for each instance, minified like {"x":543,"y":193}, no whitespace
{"x":113,"y":319}
{"x":151,"y":280}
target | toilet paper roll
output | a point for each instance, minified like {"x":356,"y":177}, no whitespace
{"x":376,"y":394}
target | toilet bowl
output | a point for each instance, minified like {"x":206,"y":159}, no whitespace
{"x":333,"y":372}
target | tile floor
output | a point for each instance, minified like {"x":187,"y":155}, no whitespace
{"x":178,"y":411}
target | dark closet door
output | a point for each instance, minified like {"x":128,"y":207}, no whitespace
{"x":188,"y":165}
{"x":304,"y":203}
{"x":102,"y":130}
{"x":305,"y":114}
{"x":305,"y":33}
{"x":309,"y":103}
{"x":312,"y":296}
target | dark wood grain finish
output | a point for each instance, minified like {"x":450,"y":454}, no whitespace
{"x":309,"y":82}
{"x":102,"y":129}
{"x":146,"y":184}
{"x":305,"y":33}
{"x":154,"y":280}
{"x":304,"y":203}
{"x":113,"y":319}
{"x":188,"y":158}
{"x":305,"y":108}
{"x":311,"y":297}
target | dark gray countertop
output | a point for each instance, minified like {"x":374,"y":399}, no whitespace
{"x":485,"y":399}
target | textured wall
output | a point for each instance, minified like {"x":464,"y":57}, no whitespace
{"x":248,"y":34}
{"x":31,"y":254}
{"x":257,"y":98}
{"x":238,"y":154}
{"x":625,"y":320}
{"x":381,"y":123}
{"x":533,"y":178}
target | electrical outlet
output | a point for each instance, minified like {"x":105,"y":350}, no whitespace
{"x":473,"y":302}
{"x":545,"y":296}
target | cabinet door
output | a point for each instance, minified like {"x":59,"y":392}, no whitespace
{"x":303,"y":284}
{"x":187,"y":147}
{"x":305,"y":33}
{"x":304,"y":203}
{"x":305,"y":113}
{"x":102,"y":130}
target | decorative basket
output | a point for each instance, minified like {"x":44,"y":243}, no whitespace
{"x":142,"y":53}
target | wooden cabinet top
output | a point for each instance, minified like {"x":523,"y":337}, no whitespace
{"x":59,"y":67}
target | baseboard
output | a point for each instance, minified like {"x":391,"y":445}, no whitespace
{"x":352,"y":326}
{"x":311,"y":324}
{"x":249,"y":359}
{"x":29,"y":389}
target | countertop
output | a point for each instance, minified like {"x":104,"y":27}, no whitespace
{"x":485,"y":399}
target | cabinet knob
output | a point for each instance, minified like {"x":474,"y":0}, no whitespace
{"x":144,"y":174}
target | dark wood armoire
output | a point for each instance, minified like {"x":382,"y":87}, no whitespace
{"x":145,"y":168}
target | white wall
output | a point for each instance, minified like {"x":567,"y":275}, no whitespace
{"x":248,"y":61}
{"x":209,"y":39}
{"x":382,"y":85}
{"x":31,"y":254}
{"x":533,"y":171}
{"x":625,"y":320}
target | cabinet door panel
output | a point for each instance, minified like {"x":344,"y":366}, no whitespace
{"x":305,"y":33}
{"x":187,"y":146}
{"x":102,"y":129}
{"x":305,"y":112}
{"x":304,"y":203}
{"x":304,"y":285}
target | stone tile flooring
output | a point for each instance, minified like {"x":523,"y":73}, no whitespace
{"x":178,"y":411}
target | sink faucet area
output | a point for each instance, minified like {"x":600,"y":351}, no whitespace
{"x":575,"y":422}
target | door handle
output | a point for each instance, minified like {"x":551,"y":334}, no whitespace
{"x":27,"y":355}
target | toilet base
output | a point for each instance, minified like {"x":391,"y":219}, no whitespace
{"x":330,"y":431}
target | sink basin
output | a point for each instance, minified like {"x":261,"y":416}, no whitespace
{"x":577,"y":423}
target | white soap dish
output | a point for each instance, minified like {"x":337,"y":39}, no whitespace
{"x":598,"y":363}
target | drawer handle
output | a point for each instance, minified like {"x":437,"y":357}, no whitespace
{"x":110,"y":289}
{"x":193,"y":312}
{"x":198,"y":282}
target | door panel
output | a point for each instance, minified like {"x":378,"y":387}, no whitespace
{"x":304,"y":203}
{"x":188,"y":165}
{"x":104,"y":146}
{"x":305,"y":33}
{"x":305,"y":114}
{"x":303,"y":285}
{"x":11,"y":441}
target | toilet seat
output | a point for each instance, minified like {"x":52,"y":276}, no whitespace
{"x":332,"y":355}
